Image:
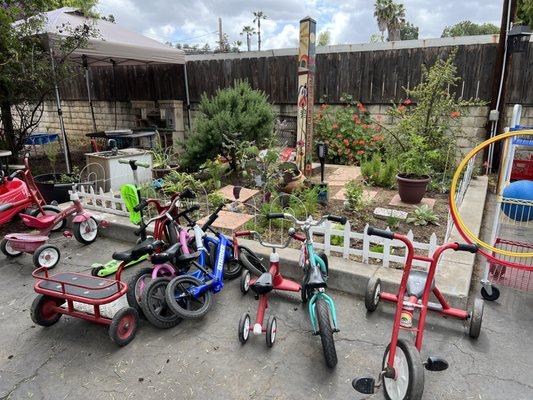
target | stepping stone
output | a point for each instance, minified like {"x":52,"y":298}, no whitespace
{"x":396,"y":201}
{"x":367,"y":195}
{"x":245,"y":195}
{"x":342,"y":175}
{"x":228,"y":220}
{"x":385,"y":213}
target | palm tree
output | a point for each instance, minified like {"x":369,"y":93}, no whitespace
{"x":249,"y":31}
{"x":258,"y":16}
{"x":396,"y":21}
{"x":382,"y":13}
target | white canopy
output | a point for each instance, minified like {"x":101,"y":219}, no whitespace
{"x":112,"y":42}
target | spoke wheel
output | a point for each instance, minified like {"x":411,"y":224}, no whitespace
{"x":180,"y":297}
{"x":232,"y":269}
{"x":136,"y":287}
{"x":8,"y":250}
{"x":48,"y":210}
{"x":271,"y":329}
{"x":409,"y":381}
{"x":244,"y":328}
{"x":155,"y":307}
{"x":86,"y":231}
{"x":245,"y":281}
{"x":373,"y":291}
{"x":251,"y":262}
{"x":326,"y":333}
{"x":47,"y":256}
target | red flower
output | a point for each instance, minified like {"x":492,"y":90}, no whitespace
{"x":401,"y":108}
{"x":356,"y":119}
{"x":455,"y":114}
{"x":346,"y":142}
{"x":360,"y":152}
{"x":377,"y":138}
{"x":334,"y":127}
{"x":361,"y":107}
{"x":339,"y":136}
{"x":361,"y":142}
{"x":377,"y":128}
{"x":407,"y":102}
{"x":366,"y":126}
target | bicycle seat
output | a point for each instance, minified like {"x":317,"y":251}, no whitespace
{"x":141,"y":249}
{"x":417,"y":282}
{"x":165,"y":256}
{"x":315,"y":279}
{"x":41,"y":222}
{"x":263,"y":284}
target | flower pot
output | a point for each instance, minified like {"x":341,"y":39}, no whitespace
{"x":411,"y":189}
{"x":51,"y":190}
{"x":295,"y":183}
{"x":159,"y":173}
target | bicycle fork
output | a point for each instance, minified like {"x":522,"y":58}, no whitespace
{"x":312,"y":310}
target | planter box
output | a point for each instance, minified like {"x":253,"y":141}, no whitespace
{"x":104,"y":168}
{"x":53,"y":191}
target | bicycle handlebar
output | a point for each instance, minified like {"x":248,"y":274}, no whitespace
{"x":380,"y":232}
{"x":309,"y":222}
{"x":471,"y":248}
{"x":134,"y":163}
{"x":257,"y":236}
{"x":212,"y":218}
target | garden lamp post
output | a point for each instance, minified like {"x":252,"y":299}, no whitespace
{"x":322,"y":153}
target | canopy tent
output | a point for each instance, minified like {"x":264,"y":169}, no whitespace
{"x":112,"y":45}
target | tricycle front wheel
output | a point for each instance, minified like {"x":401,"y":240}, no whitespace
{"x":86,"y":231}
{"x":47,"y":256}
{"x":124,"y":326}
{"x":326,"y":333}
{"x":42,"y":310}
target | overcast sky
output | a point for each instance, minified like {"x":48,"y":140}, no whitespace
{"x":349,"y":21}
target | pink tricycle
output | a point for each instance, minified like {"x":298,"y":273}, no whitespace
{"x":85,"y":230}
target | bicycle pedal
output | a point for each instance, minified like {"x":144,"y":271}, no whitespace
{"x":336,"y":330}
{"x":316,"y":333}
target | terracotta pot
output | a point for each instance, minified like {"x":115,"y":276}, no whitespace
{"x":411,"y":190}
{"x":296,"y":183}
{"x":158,"y":173}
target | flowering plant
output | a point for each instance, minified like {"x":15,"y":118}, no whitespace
{"x":350,"y":131}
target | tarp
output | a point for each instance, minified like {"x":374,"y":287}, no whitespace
{"x":112,"y":42}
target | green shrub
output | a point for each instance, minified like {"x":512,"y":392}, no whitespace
{"x":176,"y":182}
{"x":238,"y":109}
{"x":354,"y":195}
{"x":377,"y":173}
{"x":423,"y":215}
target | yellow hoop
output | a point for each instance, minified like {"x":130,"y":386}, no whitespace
{"x":453,"y":188}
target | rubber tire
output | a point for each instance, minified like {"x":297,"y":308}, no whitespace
{"x":493,"y":297}
{"x":156,"y":320}
{"x":370,"y":295}
{"x":232,"y":273}
{"x":242,"y":285}
{"x":36,"y":310}
{"x":36,"y":212}
{"x":76,"y":230}
{"x":95,"y":270}
{"x":269,"y":339}
{"x":240,"y":332}
{"x":251,"y":263}
{"x":326,"y":333}
{"x":415,"y":388}
{"x":130,"y":294}
{"x":324,"y":258}
{"x":4,"y":250}
{"x":182,"y":312}
{"x":305,"y":295}
{"x":40,"y":250}
{"x":211,"y":255}
{"x":115,"y":325}
{"x":476,"y":318}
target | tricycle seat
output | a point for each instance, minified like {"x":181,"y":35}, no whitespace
{"x":41,"y":222}
{"x":263,"y":284}
{"x":81,"y":286}
{"x":417,"y":282}
{"x":141,"y":249}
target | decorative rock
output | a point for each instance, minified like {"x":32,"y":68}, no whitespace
{"x":384,"y":213}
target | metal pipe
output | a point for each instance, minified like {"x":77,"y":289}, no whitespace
{"x":88,"y":85}
{"x":187,"y":100}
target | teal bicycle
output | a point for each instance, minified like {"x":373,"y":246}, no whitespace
{"x":320,"y":306}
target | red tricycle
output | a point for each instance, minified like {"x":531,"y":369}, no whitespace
{"x":54,"y":290}
{"x":85,"y":229}
{"x":403,"y":374}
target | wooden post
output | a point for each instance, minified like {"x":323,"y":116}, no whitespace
{"x":306,"y":93}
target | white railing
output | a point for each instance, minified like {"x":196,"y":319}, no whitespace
{"x":363,"y":245}
{"x":109,"y":202}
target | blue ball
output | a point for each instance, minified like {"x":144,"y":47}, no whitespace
{"x":521,"y":190}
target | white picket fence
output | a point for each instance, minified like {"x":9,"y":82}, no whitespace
{"x":98,"y":200}
{"x":393,"y":250}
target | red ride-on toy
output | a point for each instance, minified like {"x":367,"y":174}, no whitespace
{"x":54,"y":290}
{"x":262,"y":286}
{"x":403,"y":374}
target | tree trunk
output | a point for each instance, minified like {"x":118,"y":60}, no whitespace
{"x":259,"y":34}
{"x":248,"y":41}
{"x":7,"y":123}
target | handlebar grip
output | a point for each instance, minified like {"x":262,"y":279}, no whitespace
{"x":298,"y":237}
{"x":335,"y":218}
{"x":139,"y":230}
{"x":5,"y":207}
{"x":380,"y":232}
{"x":14,"y":174}
{"x":275,"y":215}
{"x":471,"y":248}
{"x":212,"y":218}
{"x":141,"y":206}
{"x":242,"y":233}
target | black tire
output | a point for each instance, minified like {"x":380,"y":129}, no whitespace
{"x":324,"y":258}
{"x":232,"y":269}
{"x":40,"y":313}
{"x":490,"y":297}
{"x":415,"y":387}
{"x":244,"y":328}
{"x":78,"y":228}
{"x":476,"y":318}
{"x":134,"y":295}
{"x":46,"y":250}
{"x":305,"y":294}
{"x":373,"y":290}
{"x":124,"y":326}
{"x":212,"y":255}
{"x":155,"y":307}
{"x":326,"y":333}
{"x":245,"y":281}
{"x":51,"y":209}
{"x":251,"y":262}
{"x":189,"y":307}
{"x":8,"y":251}
{"x":96,"y":270}
{"x":271,"y":329}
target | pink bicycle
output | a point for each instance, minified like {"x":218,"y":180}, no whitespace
{"x":85,"y":230}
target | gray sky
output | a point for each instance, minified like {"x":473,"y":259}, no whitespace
{"x":349,"y":21}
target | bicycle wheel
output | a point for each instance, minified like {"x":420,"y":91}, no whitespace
{"x":251,"y":262}
{"x":409,"y":382}
{"x":326,"y":332}
{"x":154,"y":306}
{"x":180,"y":299}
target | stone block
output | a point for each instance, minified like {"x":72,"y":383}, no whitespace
{"x":384,"y":213}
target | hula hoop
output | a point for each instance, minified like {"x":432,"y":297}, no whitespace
{"x":461,"y":227}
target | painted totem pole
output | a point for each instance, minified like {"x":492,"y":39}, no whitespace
{"x":306,"y":93}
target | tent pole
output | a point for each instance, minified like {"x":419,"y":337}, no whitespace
{"x":88,"y":84}
{"x":113,"y":63}
{"x":66,"y":149}
{"x":187,"y":100}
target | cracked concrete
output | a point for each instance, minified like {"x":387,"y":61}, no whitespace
{"x":204,"y":359}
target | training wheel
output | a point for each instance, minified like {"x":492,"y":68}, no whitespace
{"x":245,"y":281}
{"x":271,"y":329}
{"x":490,"y":297}
{"x":373,"y":291}
{"x":244,"y":328}
{"x":476,"y":318}
{"x":124,"y":326}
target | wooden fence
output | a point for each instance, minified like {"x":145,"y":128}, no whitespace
{"x":373,"y":77}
